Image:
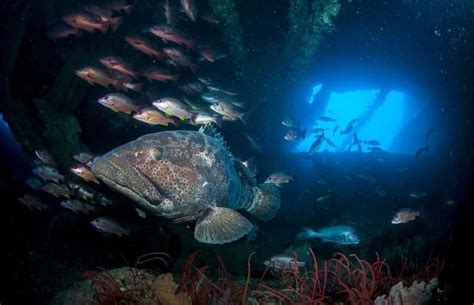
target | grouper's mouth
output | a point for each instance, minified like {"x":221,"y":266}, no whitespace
{"x":122,"y":179}
{"x":119,"y":187}
{"x":122,"y":188}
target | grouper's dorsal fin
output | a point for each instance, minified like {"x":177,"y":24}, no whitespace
{"x":212,"y":131}
{"x":245,"y":173}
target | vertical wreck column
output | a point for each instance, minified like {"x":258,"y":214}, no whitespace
{"x":309,"y":23}
{"x":232,"y":31}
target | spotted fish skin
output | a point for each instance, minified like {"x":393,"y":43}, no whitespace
{"x":177,"y":173}
{"x":187,"y":176}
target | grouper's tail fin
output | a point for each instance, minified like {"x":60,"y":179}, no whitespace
{"x":266,"y":202}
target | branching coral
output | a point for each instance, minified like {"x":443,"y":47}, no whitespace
{"x":308,"y":287}
{"x":346,"y":279}
{"x":206,"y":290}
{"x":360,"y":281}
{"x":342,"y":280}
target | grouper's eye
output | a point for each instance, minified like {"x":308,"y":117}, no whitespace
{"x":154,"y":154}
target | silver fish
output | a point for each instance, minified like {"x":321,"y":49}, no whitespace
{"x":109,"y":225}
{"x":283,"y":263}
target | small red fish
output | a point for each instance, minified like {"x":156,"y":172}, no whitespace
{"x":100,"y":77}
{"x":180,"y":58}
{"x":161,"y":74}
{"x":64,"y":31}
{"x":119,"y":65}
{"x":189,"y":8}
{"x":105,"y":16}
{"x":169,"y":12}
{"x":121,"y":6}
{"x":86,"y":21}
{"x":144,"y":45}
{"x":208,"y":54}
{"x":169,"y":33}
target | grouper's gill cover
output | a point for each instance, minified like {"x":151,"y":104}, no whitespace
{"x":186,"y":175}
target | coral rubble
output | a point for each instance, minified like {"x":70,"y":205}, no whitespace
{"x":418,"y":293}
{"x":124,"y":286}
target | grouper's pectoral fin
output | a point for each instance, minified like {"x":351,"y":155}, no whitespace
{"x":184,"y":219}
{"x":220,"y":225}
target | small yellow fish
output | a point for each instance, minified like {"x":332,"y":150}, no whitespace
{"x":118,"y":103}
{"x":152,"y":116}
{"x":173,"y":107}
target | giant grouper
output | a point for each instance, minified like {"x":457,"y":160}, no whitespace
{"x":189,"y":177}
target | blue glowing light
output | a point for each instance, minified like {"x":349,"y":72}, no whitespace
{"x":378,"y":120}
{"x":315,"y":92}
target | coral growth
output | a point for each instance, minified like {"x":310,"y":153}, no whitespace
{"x":166,"y":291}
{"x":342,"y":280}
{"x":60,"y":130}
{"x":295,"y":287}
{"x":309,"y":22}
{"x":418,"y":293}
{"x":126,"y":286}
{"x":227,"y":13}
{"x":203,"y":289}
{"x":345,"y":279}
{"x":351,"y":280}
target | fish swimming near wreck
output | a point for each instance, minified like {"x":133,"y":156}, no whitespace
{"x":189,"y":177}
{"x":344,"y":235}
{"x":405,"y":215}
{"x":284,"y":262}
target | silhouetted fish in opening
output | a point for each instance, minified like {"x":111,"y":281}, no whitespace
{"x":429,"y":133}
{"x":344,"y":235}
{"x":421,"y":150}
{"x":316,"y":144}
{"x":326,"y":119}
